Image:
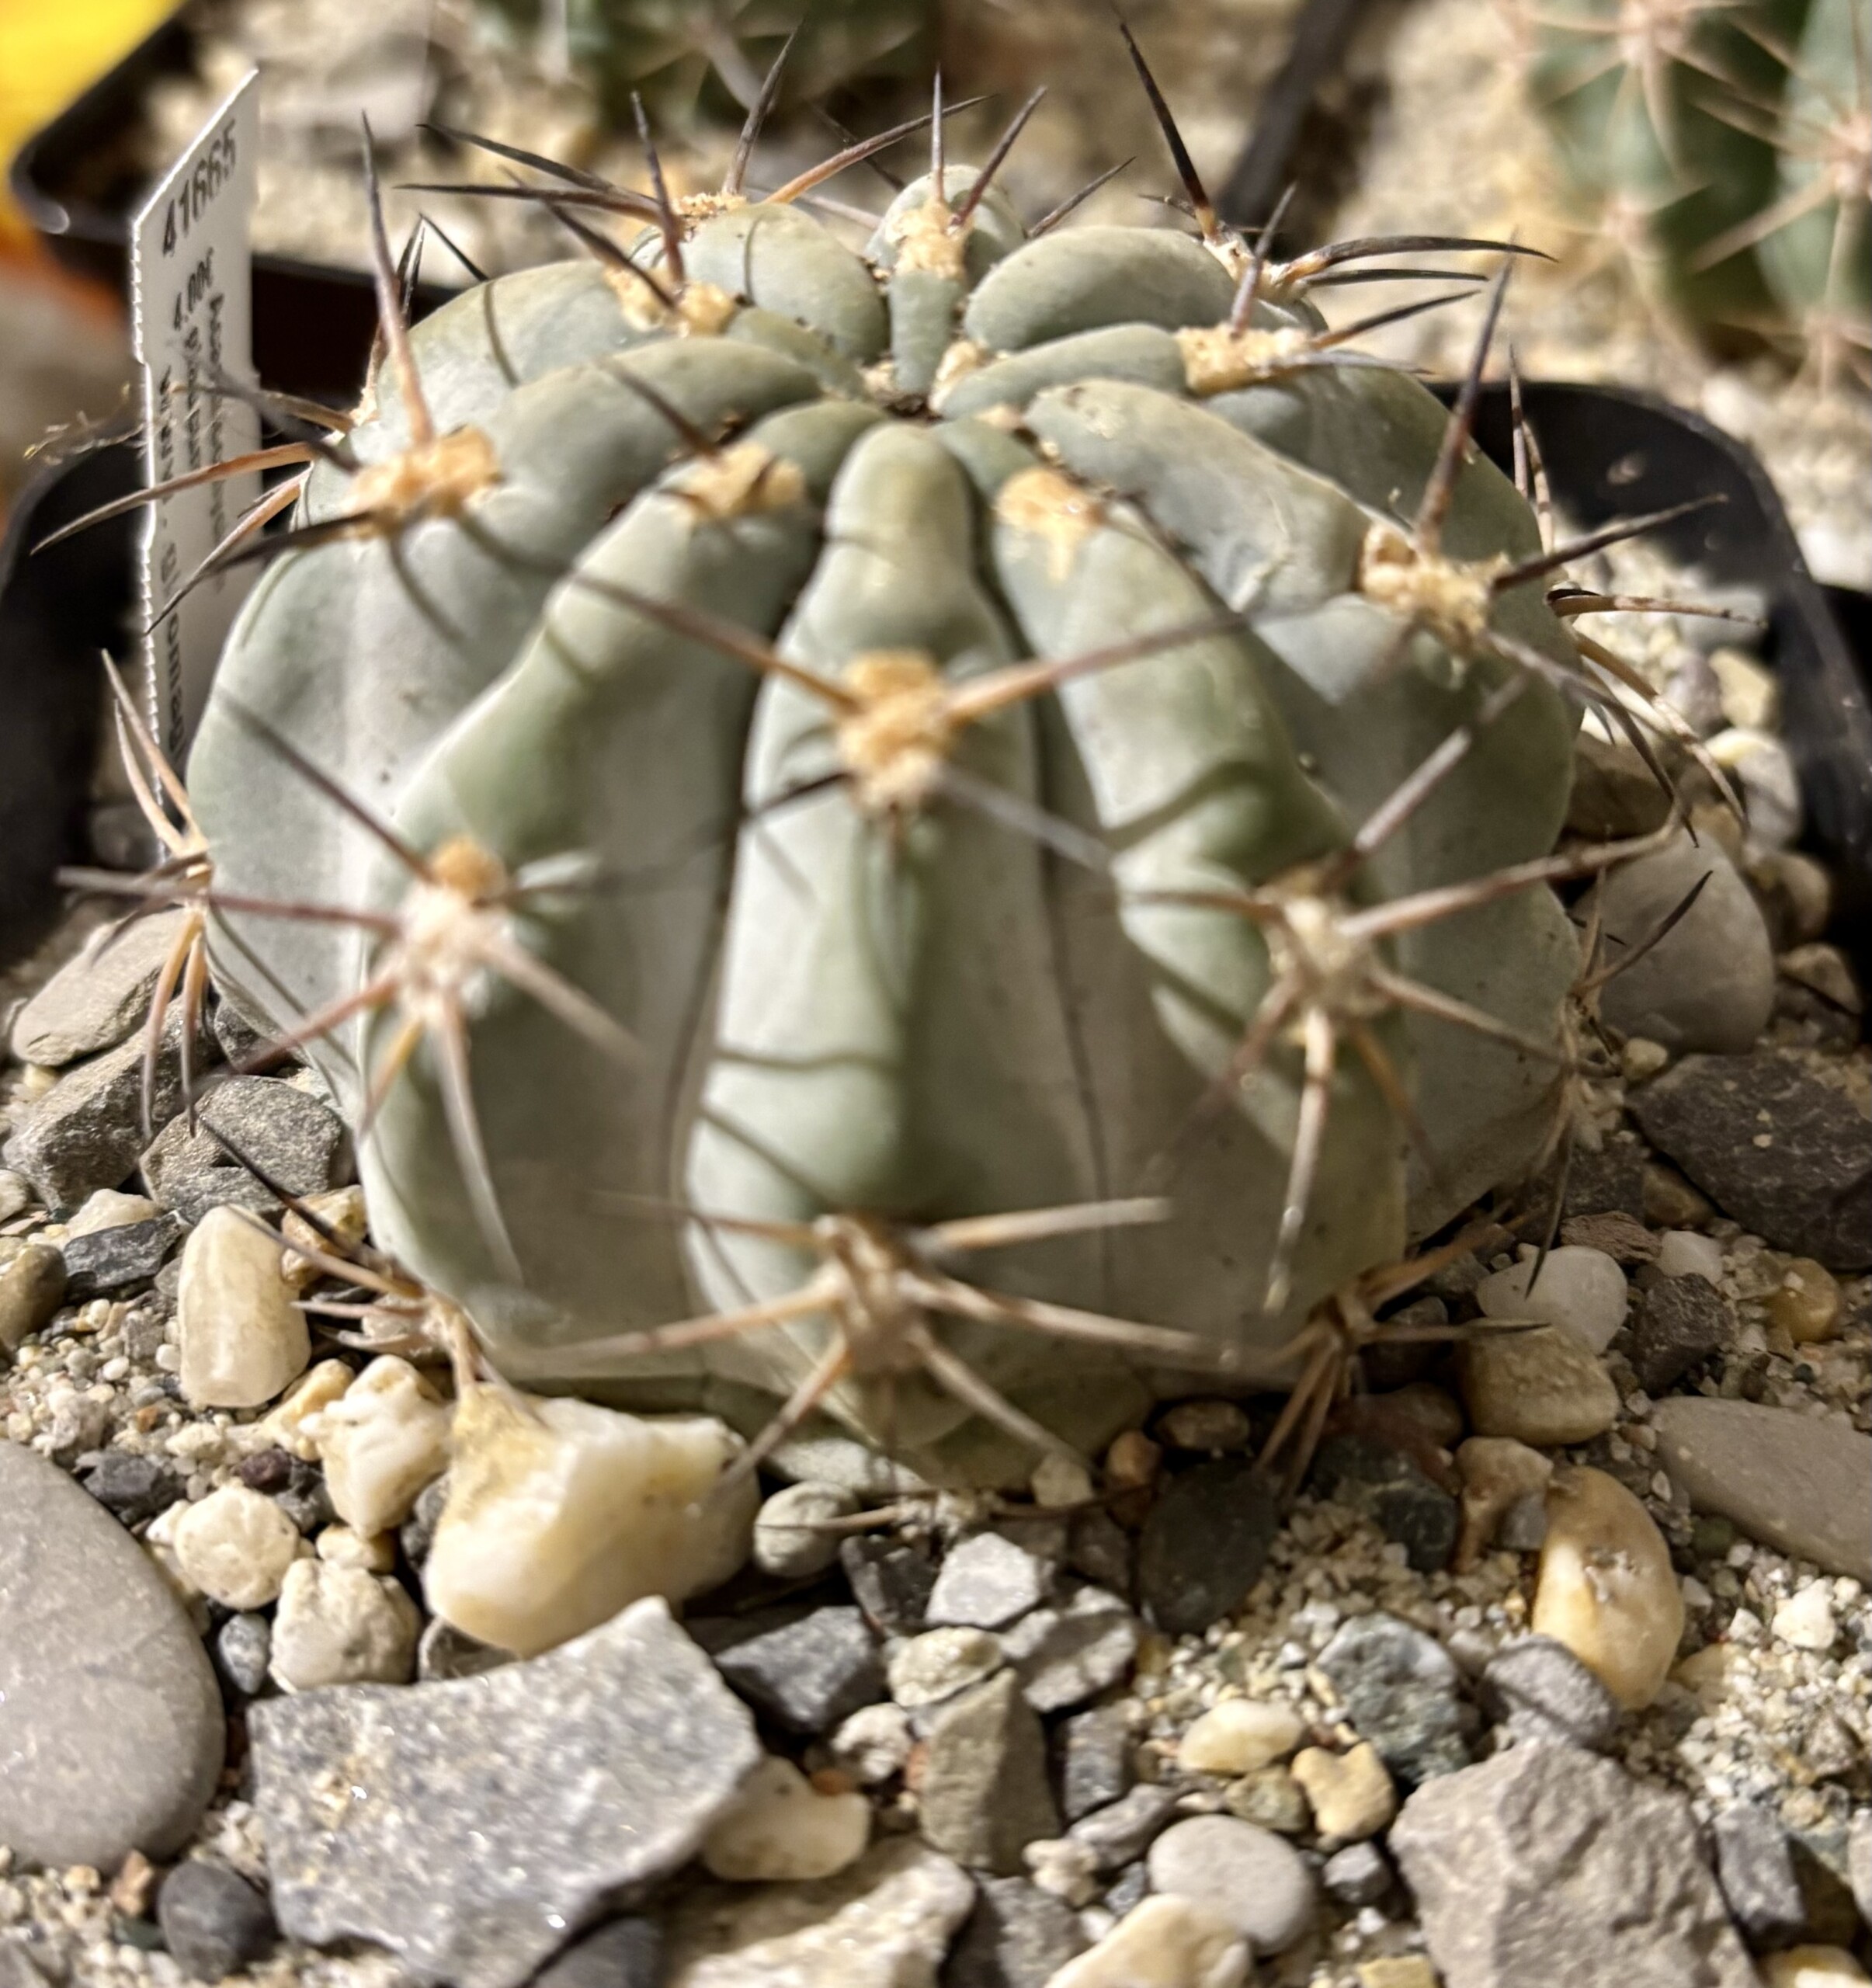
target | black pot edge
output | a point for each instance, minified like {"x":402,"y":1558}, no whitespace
{"x":313,"y":322}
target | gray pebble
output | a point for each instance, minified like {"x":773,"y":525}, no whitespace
{"x":1399,"y":1688}
{"x":111,"y":1260}
{"x":889,"y":1583}
{"x":1773,"y":1145}
{"x":85,"y":1133}
{"x":985,"y":1582}
{"x":1204,"y":1544}
{"x":1358,"y":1874}
{"x":1066,"y":1655}
{"x":792,"y":1540}
{"x":443,"y":1651}
{"x":1127,"y":1891}
{"x":626,"y":1954}
{"x":96,"y":999}
{"x":1800,"y":1483}
{"x":1681,"y":1321}
{"x":1756,"y":1872}
{"x":213,"y":1922}
{"x":111,"y":1725}
{"x":805,"y":1670}
{"x":295,"y":1139}
{"x":418,"y":1532}
{"x":1122,"y":1829}
{"x":1095,"y":1753}
{"x":1859,"y":1862}
{"x":1383,"y":1483}
{"x":1017,"y":1936}
{"x":1100,"y":1549}
{"x":1546,"y":1866}
{"x":1709,"y":983}
{"x":1249,"y":1875}
{"x":132,"y":1488}
{"x":1540,"y":1690}
{"x":243,"y":1647}
{"x":984,"y":1796}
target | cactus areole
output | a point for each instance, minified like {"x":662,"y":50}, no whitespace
{"x":868,"y":743}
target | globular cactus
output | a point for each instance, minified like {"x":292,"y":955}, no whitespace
{"x":1726,"y":152}
{"x":675,"y":53}
{"x":931,"y":832}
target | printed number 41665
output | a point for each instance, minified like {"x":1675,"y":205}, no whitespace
{"x":191,"y":198}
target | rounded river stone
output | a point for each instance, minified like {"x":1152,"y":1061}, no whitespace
{"x":111,"y":1729}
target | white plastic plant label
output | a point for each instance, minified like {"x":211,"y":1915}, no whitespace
{"x":191,"y":311}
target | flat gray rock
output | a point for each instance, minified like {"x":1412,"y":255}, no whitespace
{"x":1774,"y":1143}
{"x":113,"y":1259}
{"x":297,"y":1141}
{"x":471,"y":1826}
{"x":886,"y":1923}
{"x":985,"y":1583}
{"x":94,"y":1001}
{"x":1795,"y":1482}
{"x":111,"y":1728}
{"x":985,"y":1794}
{"x":1547,"y":1864}
{"x":1246,"y":1874}
{"x":85,"y":1133}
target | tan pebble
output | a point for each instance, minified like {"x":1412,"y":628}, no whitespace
{"x":1707,"y":1672}
{"x":1272,"y":1798}
{"x":340,"y":1546}
{"x":1058,"y":1481}
{"x":1214,"y":1425}
{"x":1497,"y":1473}
{"x":341,"y":1625}
{"x":1811,"y":1967}
{"x":1751,"y":695}
{"x":242,"y":1340}
{"x":1133,"y":1460}
{"x":1427,"y":1410}
{"x":1397,"y":1971}
{"x":1808,"y":1305}
{"x":235,"y":1546}
{"x":134,"y":1886}
{"x":1670,"y":1201}
{"x":779,"y":1828}
{"x":381,"y":1441}
{"x":1606,"y":1588}
{"x":1352,"y":1793}
{"x":109,"y":1209}
{"x":341,"y":1210}
{"x":315,"y":1391}
{"x":1239,"y":1735}
{"x":560,"y":1513}
{"x":1544,"y":1387}
{"x":1164,"y":1942}
{"x":1640,"y":1059}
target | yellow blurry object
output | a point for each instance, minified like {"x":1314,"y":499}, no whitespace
{"x":49,"y":49}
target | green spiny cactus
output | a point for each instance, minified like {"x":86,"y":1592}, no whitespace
{"x":676,"y":53}
{"x":766,"y":772}
{"x":1727,"y":149}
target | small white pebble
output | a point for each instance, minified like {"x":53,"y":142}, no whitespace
{"x":1580,"y":1289}
{"x":1805,"y":1620}
{"x":1683,"y":1252}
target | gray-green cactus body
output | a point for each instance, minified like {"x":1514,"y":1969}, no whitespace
{"x":917,"y":1011}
